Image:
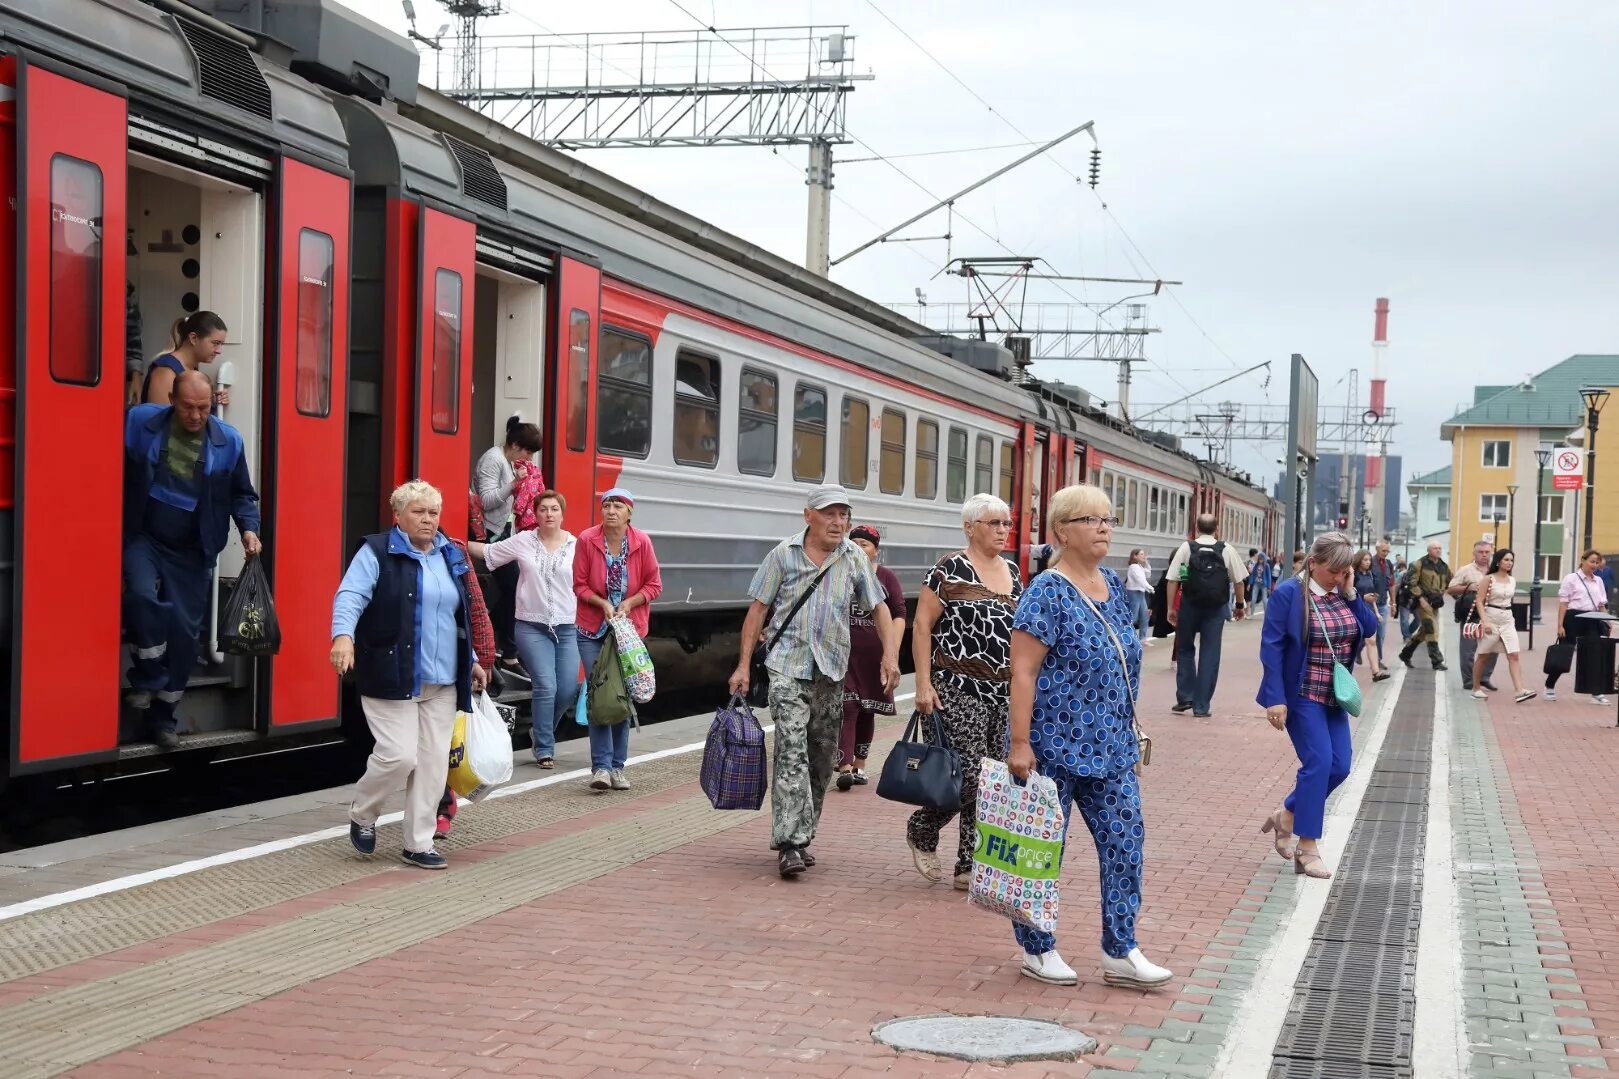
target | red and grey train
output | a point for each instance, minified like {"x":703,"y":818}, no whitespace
{"x":399,"y":275}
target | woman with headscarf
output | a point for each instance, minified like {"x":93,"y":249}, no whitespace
{"x":864,"y":697}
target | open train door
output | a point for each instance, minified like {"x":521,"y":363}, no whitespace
{"x":306,"y":417}
{"x":1025,"y":514}
{"x":71,"y":145}
{"x":571,"y":430}
{"x":445,"y":256}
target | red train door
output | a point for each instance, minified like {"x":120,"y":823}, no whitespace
{"x":70,"y":219}
{"x":1024,"y":514}
{"x":306,"y":427}
{"x":571,"y":430}
{"x":443,"y":441}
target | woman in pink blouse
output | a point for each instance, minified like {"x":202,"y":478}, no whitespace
{"x":1580,"y":593}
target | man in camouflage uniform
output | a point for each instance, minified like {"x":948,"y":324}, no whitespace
{"x":1423,"y":591}
{"x":809,"y":661}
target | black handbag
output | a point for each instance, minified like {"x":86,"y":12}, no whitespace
{"x":922,"y":773}
{"x":758,"y":695}
{"x":1559,"y":658}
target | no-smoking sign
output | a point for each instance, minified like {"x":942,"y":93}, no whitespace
{"x":1568,"y":469}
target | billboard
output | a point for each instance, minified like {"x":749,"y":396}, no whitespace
{"x":1304,"y":394}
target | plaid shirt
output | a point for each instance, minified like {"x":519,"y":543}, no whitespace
{"x":1340,"y":620}
{"x":818,"y":638}
{"x":483,"y":631}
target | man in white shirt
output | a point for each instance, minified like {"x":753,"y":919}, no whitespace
{"x":1465,"y":587}
{"x":1202,"y":576}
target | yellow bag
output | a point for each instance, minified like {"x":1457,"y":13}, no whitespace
{"x":480,"y":750}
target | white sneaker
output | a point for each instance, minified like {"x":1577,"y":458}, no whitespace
{"x":1133,"y":970}
{"x":1480,"y":695}
{"x":1049,"y":967}
{"x":601,"y":779}
{"x":1551,"y":694}
{"x":1598,"y":698}
{"x":927,"y":863}
{"x":620,"y":783}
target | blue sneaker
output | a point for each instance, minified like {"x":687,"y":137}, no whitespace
{"x":364,"y":837}
{"x":427,"y":859}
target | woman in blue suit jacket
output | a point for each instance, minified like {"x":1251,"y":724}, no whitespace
{"x":1296,"y":688}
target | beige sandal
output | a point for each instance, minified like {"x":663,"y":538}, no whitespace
{"x":1273,"y":823}
{"x":1309,"y":863}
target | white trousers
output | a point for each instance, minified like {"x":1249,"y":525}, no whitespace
{"x":413,"y":748}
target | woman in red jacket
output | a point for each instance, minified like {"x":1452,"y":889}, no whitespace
{"x":615,"y":572}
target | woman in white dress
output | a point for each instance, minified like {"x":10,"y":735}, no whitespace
{"x":1495,"y":594}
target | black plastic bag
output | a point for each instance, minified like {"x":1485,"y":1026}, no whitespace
{"x":248,"y":625}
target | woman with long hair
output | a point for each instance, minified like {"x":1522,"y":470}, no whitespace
{"x":1494,"y":609}
{"x":194,"y":339}
{"x":1139,"y":589}
{"x":1366,"y":589}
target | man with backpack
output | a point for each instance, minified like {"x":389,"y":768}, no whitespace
{"x":1203,"y":572}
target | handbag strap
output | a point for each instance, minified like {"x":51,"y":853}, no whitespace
{"x":802,"y":599}
{"x":1118,"y":646}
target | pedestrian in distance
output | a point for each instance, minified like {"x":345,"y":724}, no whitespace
{"x":402,"y":621}
{"x":1076,"y":670}
{"x":1580,"y":592}
{"x":1203,"y":575}
{"x":615,"y":574}
{"x":497,"y":474}
{"x":545,"y":610}
{"x":1385,"y":580}
{"x":1138,"y":587}
{"x":809,"y":660}
{"x":1313,"y":621}
{"x":185,"y":480}
{"x":1499,"y":632}
{"x":1366,"y":587}
{"x":864,"y":695}
{"x":1464,"y":588}
{"x":1423,"y":590}
{"x":962,"y":649}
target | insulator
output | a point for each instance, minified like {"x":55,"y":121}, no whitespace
{"x":1096,"y":165}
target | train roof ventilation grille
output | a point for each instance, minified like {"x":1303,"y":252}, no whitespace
{"x":479,"y":180}
{"x":226,"y":70}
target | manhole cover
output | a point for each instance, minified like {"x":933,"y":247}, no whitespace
{"x":984,"y":1037}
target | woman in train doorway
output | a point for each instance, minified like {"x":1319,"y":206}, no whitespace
{"x":962,"y":647}
{"x":195,"y":339}
{"x":499,"y":471}
{"x":545,"y":613}
{"x":864,"y":697}
{"x":1312,"y":621}
{"x":407,"y":585}
{"x":1139,"y":588}
{"x":615,"y":572}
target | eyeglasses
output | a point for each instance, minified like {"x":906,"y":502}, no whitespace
{"x":996,"y":524}
{"x":1093,"y":520}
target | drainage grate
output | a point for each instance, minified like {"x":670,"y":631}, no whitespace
{"x":1360,"y":968}
{"x":1294,"y":1068}
{"x":1372,"y":1028}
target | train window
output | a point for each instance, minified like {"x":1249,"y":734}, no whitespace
{"x":1006,"y":473}
{"x":1134,"y":513}
{"x":756,"y":423}
{"x":891,"y":465}
{"x":809,"y":434}
{"x":983,"y":465}
{"x":624,"y":393}
{"x":313,"y":363}
{"x":697,"y":409}
{"x":75,"y":308}
{"x":855,"y":464}
{"x":955,"y":477}
{"x":446,"y":372}
{"x":577,"y":381}
{"x":1181,"y":522}
{"x":927,"y":459}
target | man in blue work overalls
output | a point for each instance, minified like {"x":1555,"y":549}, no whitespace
{"x":185,"y":478}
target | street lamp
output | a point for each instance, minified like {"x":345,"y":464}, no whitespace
{"x":1594,"y":397}
{"x":1543,"y":454}
{"x":1512,"y":502}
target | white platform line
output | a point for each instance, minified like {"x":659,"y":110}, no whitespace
{"x":259,"y":850}
{"x":1439,"y":1049}
{"x":1250,"y":1045}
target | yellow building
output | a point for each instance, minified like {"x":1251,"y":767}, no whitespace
{"x":1499,"y":492}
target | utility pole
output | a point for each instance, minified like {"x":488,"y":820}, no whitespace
{"x":818,"y":235}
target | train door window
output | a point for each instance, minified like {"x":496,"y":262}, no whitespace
{"x":854,"y":463}
{"x":75,"y":309}
{"x":579,"y":378}
{"x":955,"y":478}
{"x":624,"y":393}
{"x":756,"y":423}
{"x":927,"y":459}
{"x":314,"y":345}
{"x":1006,"y":473}
{"x":446,"y":370}
{"x":983,"y":465}
{"x":697,"y":409}
{"x":891,"y":464}
{"x":809,"y":433}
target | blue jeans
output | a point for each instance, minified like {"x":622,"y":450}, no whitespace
{"x":609,"y":746}
{"x":1111,"y":807}
{"x":1138,"y":612}
{"x":1198,"y":633}
{"x":1408,"y":623}
{"x":1321,"y":739}
{"x":551,"y":658}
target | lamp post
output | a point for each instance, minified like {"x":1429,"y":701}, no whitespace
{"x":1512,"y":502}
{"x":1543,"y":454}
{"x":1594,"y":397}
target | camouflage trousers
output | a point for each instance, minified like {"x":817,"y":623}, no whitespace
{"x":808,"y":713}
{"x":1427,"y":633}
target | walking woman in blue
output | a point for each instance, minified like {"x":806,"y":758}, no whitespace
{"x":1076,"y":668}
{"x":1301,"y":640}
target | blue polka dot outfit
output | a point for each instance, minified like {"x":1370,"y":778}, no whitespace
{"x":1084,"y":742}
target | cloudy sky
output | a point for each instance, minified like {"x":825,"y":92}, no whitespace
{"x":1289,"y":163}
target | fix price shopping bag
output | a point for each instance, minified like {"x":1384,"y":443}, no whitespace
{"x":1019,"y":853}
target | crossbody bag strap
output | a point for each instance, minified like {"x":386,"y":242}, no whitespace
{"x":799,"y":603}
{"x":1323,"y":623}
{"x":1118,"y":646}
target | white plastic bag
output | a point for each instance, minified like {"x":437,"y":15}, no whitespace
{"x":480,"y":750}
{"x":1019,"y":852}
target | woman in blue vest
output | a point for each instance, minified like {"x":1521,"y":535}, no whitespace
{"x":402,"y":621}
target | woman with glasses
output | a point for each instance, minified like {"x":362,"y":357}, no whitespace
{"x":962,"y":648}
{"x":1076,"y":671}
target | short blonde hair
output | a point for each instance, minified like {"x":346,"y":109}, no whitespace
{"x":415,"y":491}
{"x":1075,"y":501}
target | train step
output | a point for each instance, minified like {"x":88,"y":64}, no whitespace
{"x":200,"y":740}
